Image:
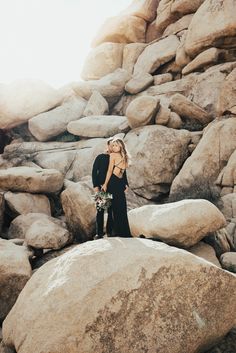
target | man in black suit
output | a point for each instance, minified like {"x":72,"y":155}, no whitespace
{"x":99,"y":171}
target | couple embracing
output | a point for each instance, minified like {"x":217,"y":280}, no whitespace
{"x":109,"y":175}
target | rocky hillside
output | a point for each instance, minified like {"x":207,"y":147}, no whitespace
{"x":161,"y":75}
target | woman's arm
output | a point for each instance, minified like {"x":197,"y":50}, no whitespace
{"x":109,"y":171}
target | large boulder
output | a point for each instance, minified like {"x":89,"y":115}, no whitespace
{"x":19,"y":226}
{"x":228,"y":206}
{"x":175,"y":121}
{"x":139,"y":83}
{"x":207,"y":87}
{"x":228,"y":261}
{"x":152,"y":32}
{"x":197,"y":177}
{"x":46,"y":234}
{"x":156,"y":54}
{"x":79,"y":209}
{"x":28,"y":179}
{"x":212,"y":25}
{"x":205,"y":251}
{"x":231,"y":234}
{"x":191,"y":220}
{"x":162,"y":78}
{"x":181,"y":58}
{"x":184,"y":7}
{"x":157,"y":154}
{"x":164,"y":17}
{"x":23,"y":99}
{"x":130,"y":55}
{"x":141,"y":111}
{"x":124,"y":295}
{"x":110,"y":86}
{"x":178,"y":26}
{"x":187,"y":109}
{"x":227,"y":97}
{"x":227,"y":178}
{"x":163,"y":116}
{"x":60,"y":160}
{"x":97,"y":105}
{"x":145,"y":9}
{"x":205,"y":59}
{"x":102,"y":60}
{"x":121,"y":29}
{"x":98,"y":126}
{"x":169,"y":11}
{"x":15,"y":271}
{"x":23,"y":202}
{"x":47,"y":125}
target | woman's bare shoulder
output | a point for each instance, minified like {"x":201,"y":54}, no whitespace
{"x":113,"y":155}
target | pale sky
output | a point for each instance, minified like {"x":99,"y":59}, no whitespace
{"x":50,"y":39}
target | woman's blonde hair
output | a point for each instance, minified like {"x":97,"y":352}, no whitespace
{"x":123,"y":150}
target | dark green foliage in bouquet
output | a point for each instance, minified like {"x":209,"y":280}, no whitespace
{"x":102,"y":200}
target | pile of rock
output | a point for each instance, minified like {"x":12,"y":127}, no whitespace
{"x":161,"y":74}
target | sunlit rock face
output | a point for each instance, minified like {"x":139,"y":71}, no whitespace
{"x":15,"y":271}
{"x":23,"y":203}
{"x":139,"y":83}
{"x":50,"y":124}
{"x":141,"y":111}
{"x":205,"y":251}
{"x":22,"y":99}
{"x":35,"y":180}
{"x":145,"y":9}
{"x":97,"y":105}
{"x":123,"y":294}
{"x":191,"y":221}
{"x":130,"y":55}
{"x":102,"y":60}
{"x":227,"y":98}
{"x":213,"y":24}
{"x":111,"y":86}
{"x":79,"y":210}
{"x":161,"y":76}
{"x":156,"y":55}
{"x":22,"y":223}
{"x":45,"y":234}
{"x":201,"y":169}
{"x":99,"y":126}
{"x":155,"y":160}
{"x":121,"y":29}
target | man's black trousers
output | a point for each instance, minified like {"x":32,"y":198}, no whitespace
{"x":100,"y":222}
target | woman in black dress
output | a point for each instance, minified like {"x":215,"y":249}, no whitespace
{"x":116,"y":183}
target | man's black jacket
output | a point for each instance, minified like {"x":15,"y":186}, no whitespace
{"x":99,"y":171}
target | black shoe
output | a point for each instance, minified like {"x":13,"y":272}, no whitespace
{"x":97,"y":236}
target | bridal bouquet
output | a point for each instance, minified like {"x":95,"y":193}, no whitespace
{"x":102,"y":200}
